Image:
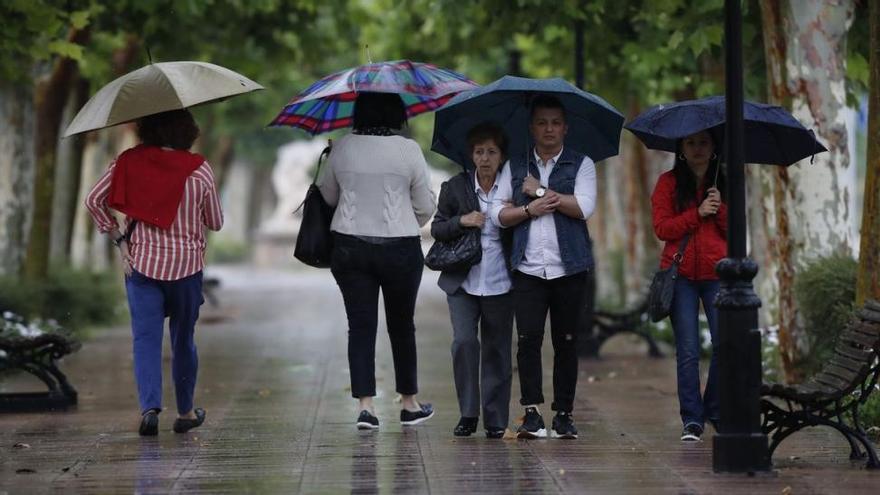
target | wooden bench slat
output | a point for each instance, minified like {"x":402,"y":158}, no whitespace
{"x":830,"y":380}
{"x":845,"y":374}
{"x":867,"y":328}
{"x":848,"y":363}
{"x":869,"y":314}
{"x":873,"y":304}
{"x":858,"y":338}
{"x":858,"y":354}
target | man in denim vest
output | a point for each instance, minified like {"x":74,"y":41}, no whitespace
{"x":552,"y":195}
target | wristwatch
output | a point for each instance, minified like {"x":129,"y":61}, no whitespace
{"x":539,"y":192}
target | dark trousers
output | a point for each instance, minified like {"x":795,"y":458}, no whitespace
{"x":150,"y":301}
{"x":686,"y":326}
{"x":361,"y":268}
{"x":482,"y":369}
{"x":533,"y":298}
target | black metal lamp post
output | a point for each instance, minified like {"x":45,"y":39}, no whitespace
{"x":739,"y":445}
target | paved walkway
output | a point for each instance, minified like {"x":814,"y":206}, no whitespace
{"x":274,"y":380}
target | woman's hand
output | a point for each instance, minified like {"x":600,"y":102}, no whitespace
{"x":545,"y":205}
{"x":126,"y":258}
{"x":473,"y":219}
{"x":711,"y":203}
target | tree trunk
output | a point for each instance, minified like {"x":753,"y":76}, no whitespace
{"x":16,"y":173}
{"x":67,"y":179}
{"x":804,"y":49}
{"x":822,"y":193}
{"x":868,"y":283}
{"x":49,"y":99}
{"x":221,"y":159}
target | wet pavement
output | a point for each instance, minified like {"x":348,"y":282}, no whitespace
{"x":274,"y":379}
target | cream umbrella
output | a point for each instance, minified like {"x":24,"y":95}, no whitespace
{"x":157,"y":88}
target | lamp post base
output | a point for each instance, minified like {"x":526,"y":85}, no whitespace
{"x":740,"y":453}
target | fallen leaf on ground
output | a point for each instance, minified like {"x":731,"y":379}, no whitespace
{"x":21,"y":446}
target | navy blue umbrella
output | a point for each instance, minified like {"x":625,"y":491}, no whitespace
{"x":593,"y":124}
{"x":772,"y":135}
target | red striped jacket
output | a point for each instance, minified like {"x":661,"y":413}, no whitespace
{"x":174,"y":253}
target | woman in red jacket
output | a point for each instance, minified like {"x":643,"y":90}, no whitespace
{"x":687,"y":202}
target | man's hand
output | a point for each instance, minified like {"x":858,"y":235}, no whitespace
{"x":545,"y":205}
{"x":530,"y":185}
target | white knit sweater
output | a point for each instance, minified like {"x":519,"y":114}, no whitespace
{"x":379,"y":184}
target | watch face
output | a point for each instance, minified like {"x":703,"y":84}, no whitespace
{"x":539,"y":192}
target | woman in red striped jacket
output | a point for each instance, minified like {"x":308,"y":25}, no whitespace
{"x":687,"y":201}
{"x":169,"y":198}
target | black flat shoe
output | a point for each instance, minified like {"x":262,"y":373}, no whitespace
{"x":149,"y":424}
{"x":183,"y":425}
{"x":465,"y":427}
{"x":495,"y":433}
{"x":409,"y":418}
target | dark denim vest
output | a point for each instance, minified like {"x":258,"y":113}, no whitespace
{"x":575,"y":246}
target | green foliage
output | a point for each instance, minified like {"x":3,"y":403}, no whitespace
{"x":825,"y":293}
{"x":869,"y":413}
{"x":74,"y":299}
{"x":221,"y":250}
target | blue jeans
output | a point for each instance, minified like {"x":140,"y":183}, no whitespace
{"x":150,"y":301}
{"x":685,"y":324}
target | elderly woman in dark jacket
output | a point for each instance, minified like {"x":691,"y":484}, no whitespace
{"x":478,"y":294}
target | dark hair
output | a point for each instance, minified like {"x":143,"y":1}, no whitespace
{"x":485,"y":131}
{"x":545,"y":101}
{"x":686,"y":181}
{"x":378,"y":110}
{"x":175,"y":129}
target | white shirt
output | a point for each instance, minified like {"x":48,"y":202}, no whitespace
{"x":542,"y":258}
{"x":489,"y":277}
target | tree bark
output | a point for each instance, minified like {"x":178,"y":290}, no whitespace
{"x":16,"y":173}
{"x":49,"y":99}
{"x":67,"y":179}
{"x":868,"y":282}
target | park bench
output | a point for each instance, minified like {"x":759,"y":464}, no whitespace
{"x":606,"y":324}
{"x":832,"y":397}
{"x":38,"y":356}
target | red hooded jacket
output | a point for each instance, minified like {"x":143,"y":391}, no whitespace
{"x":708,"y":241}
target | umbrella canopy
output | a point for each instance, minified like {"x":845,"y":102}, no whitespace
{"x":593,"y":124}
{"x":772,"y":135}
{"x":329,"y":103}
{"x":158,"y":88}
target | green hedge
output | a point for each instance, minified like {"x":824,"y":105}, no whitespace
{"x":75,"y":299}
{"x":825,"y":292}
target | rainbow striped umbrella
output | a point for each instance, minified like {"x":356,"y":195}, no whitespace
{"x":329,"y":103}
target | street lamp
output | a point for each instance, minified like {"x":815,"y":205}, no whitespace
{"x":739,"y":445}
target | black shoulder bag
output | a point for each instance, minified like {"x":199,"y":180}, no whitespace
{"x":663,"y":286}
{"x":314,"y":243}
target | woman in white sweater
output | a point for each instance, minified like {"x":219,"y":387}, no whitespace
{"x":379,"y":183}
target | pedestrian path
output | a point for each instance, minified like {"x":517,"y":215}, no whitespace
{"x":274,"y":379}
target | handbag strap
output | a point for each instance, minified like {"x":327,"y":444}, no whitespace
{"x":677,"y":257}
{"x":325,"y":153}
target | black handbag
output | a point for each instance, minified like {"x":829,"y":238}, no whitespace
{"x":663,"y":286}
{"x":457,"y":254}
{"x":314,"y":243}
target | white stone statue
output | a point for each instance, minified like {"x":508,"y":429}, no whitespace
{"x":291,"y":178}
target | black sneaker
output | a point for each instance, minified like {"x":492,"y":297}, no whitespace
{"x":367,"y":421}
{"x":533,"y":425}
{"x":691,"y":432}
{"x":563,"y":426}
{"x":409,"y":418}
{"x":149,"y":424}
{"x":495,"y":432}
{"x":465,"y":427}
